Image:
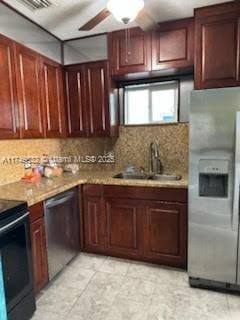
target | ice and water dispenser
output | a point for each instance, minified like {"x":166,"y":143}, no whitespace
{"x":213,"y":178}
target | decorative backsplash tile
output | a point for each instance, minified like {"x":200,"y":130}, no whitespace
{"x":134,"y":142}
{"x":11,"y":149}
{"x":131,"y":146}
{"x":10,"y":172}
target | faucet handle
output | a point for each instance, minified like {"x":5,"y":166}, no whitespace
{"x":130,"y":168}
{"x":142,"y":169}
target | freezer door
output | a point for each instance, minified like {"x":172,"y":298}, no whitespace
{"x":213,"y":222}
{"x":236,"y":190}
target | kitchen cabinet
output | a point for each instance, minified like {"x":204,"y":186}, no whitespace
{"x":124,"y":227}
{"x":31,"y":94}
{"x":28,"y":75}
{"x":165,"y":234}
{"x":93,"y":219}
{"x":217,"y":50}
{"x":172,"y":45}
{"x":53,"y":100}
{"x":39,"y":250}
{"x":97,"y":79}
{"x":143,"y":223}
{"x":9,"y":128}
{"x":130,"y":54}
{"x":76,"y":101}
{"x":87,"y":91}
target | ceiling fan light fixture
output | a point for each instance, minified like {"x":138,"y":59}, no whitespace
{"x":125,"y":10}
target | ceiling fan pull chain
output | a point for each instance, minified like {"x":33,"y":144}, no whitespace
{"x":129,"y":43}
{"x":126,"y":45}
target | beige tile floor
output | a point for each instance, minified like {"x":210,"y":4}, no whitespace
{"x":103,"y":288}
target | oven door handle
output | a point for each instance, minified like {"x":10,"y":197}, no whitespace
{"x":12,"y":224}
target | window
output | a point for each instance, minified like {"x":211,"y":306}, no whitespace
{"x":151,"y":103}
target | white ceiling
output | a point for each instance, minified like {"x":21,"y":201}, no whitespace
{"x":64,"y":18}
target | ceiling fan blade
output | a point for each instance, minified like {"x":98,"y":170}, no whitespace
{"x":96,"y":20}
{"x":146,"y":22}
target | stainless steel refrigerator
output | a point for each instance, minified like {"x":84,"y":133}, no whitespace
{"x":214,"y":173}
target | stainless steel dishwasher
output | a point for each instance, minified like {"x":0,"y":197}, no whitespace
{"x":62,"y":230}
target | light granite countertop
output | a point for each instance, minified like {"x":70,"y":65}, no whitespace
{"x":46,"y":188}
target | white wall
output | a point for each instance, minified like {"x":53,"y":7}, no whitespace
{"x":27,"y":33}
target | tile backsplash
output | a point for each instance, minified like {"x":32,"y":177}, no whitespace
{"x":10,"y":172}
{"x":133,"y":143}
{"x":131,"y":146}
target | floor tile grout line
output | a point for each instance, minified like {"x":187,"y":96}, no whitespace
{"x":113,"y":301}
{"x":124,"y":277}
{"x":79,"y":297}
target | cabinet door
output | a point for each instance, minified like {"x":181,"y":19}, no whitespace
{"x":28,"y":73}
{"x":217,"y":48}
{"x":165,"y":233}
{"x":97,"y":78}
{"x":39,"y":253}
{"x":94,"y":224}
{"x":9,"y":117}
{"x":53,"y":102}
{"x":172,"y":45}
{"x":124,"y":227}
{"x":76,"y":101}
{"x":130,"y":55}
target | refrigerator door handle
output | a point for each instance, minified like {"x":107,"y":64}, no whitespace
{"x":236,"y":193}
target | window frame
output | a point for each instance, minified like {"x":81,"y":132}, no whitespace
{"x":152,"y":86}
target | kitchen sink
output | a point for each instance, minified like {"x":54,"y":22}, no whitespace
{"x":126,"y":175}
{"x":165,"y":177}
{"x":143,"y":176}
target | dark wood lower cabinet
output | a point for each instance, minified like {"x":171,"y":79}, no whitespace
{"x":94,"y":238}
{"x":124,"y":226}
{"x":145,"y":226}
{"x":93,"y":219}
{"x":165,"y":233}
{"x":39,"y":250}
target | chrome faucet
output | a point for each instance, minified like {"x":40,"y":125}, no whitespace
{"x":155,"y":164}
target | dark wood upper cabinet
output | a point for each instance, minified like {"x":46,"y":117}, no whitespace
{"x":165,"y":233}
{"x":87,"y":94}
{"x":39,"y":249}
{"x":8,"y":102}
{"x":76,"y":101}
{"x":124,"y":227}
{"x":217,"y":46}
{"x":97,"y":88}
{"x":130,"y":53}
{"x":172,"y":45}
{"x":28,"y":74}
{"x":53,"y":100}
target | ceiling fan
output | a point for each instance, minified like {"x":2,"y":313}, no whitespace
{"x":124,"y":11}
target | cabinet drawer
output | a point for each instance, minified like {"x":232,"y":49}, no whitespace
{"x":146,"y":193}
{"x":36,"y":211}
{"x":94,"y":190}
